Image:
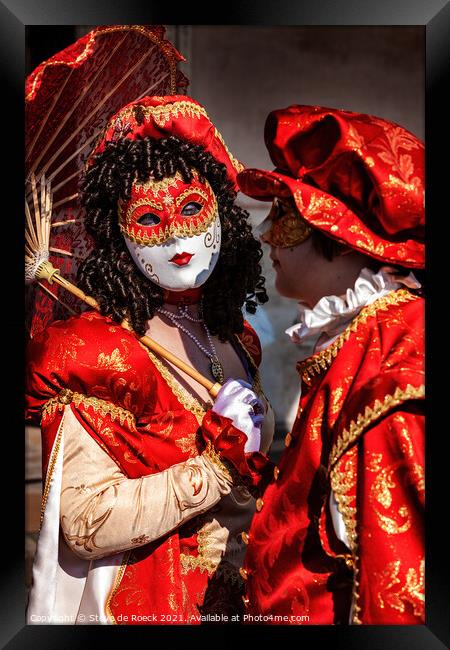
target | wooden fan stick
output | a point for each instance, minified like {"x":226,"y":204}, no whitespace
{"x":47,"y":271}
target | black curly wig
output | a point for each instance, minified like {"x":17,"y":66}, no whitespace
{"x":109,"y":273}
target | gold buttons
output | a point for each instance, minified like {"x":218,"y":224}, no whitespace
{"x":245,"y":537}
{"x":288,"y":440}
{"x":245,"y":601}
{"x":259,"y":504}
{"x":244,"y":573}
{"x":276,"y":472}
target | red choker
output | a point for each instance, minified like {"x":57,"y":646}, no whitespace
{"x":188,"y":297}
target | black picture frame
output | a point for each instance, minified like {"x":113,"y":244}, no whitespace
{"x":434,"y":16}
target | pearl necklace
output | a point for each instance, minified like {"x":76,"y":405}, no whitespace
{"x":216,"y":367}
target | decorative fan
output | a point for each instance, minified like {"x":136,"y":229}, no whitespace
{"x":69,"y":99}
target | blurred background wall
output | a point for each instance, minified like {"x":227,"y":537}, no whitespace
{"x":240,"y":74}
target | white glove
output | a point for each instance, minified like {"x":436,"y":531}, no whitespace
{"x":237,"y":401}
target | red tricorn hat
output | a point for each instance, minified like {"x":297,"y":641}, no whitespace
{"x":357,"y":178}
{"x":161,"y":117}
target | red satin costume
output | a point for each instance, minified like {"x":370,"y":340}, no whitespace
{"x":119,"y":393}
{"x":359,"y":430}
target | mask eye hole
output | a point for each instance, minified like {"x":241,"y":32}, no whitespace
{"x":191,"y":208}
{"x":149,"y":219}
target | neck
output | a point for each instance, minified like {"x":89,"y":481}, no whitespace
{"x":187,"y":297}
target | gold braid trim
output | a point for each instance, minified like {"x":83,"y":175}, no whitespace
{"x":51,"y":468}
{"x":370,"y":415}
{"x":340,"y":484}
{"x":66,"y":396}
{"x":322,"y":360}
{"x":163,"y":113}
{"x":214,"y":457}
{"x":184,"y":397}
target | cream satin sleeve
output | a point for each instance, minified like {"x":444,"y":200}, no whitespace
{"x":104,"y":512}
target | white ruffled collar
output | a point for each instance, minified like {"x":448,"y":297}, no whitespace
{"x":332,"y":314}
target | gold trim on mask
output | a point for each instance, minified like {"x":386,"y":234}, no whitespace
{"x":196,"y":225}
{"x":189,"y":229}
{"x":287,"y":230}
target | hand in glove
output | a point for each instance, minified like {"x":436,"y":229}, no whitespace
{"x":239,"y":403}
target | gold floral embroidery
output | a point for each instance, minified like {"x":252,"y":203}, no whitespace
{"x":62,"y":351}
{"x":135,"y":595}
{"x":172,"y":600}
{"x":187,"y":445}
{"x":370,"y":415}
{"x":318,"y":204}
{"x":404,"y":437}
{"x":66,"y":396}
{"x":412,"y":590}
{"x":115,"y":586}
{"x":316,"y":422}
{"x":113,"y":361}
{"x":322,"y":360}
{"x":380,"y":495}
{"x":373,"y":462}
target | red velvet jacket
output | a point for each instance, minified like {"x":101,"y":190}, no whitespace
{"x":360,"y":432}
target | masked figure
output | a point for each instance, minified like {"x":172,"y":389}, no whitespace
{"x":339,"y":533}
{"x":148,"y":484}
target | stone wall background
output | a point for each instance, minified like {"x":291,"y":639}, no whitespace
{"x":240,"y":74}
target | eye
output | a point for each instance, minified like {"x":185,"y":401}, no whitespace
{"x":191,"y":208}
{"x":149,"y":219}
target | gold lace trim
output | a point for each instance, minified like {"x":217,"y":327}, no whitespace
{"x":371,"y":414}
{"x":66,"y":396}
{"x":214,"y":457}
{"x":323,"y":359}
{"x":200,"y":561}
{"x":184,"y":397}
{"x":190,"y":402}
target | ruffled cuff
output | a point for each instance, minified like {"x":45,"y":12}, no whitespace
{"x":253,"y":469}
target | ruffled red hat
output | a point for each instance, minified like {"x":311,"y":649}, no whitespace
{"x":357,"y":178}
{"x":161,"y":117}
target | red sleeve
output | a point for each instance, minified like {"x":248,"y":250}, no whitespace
{"x":389,"y":540}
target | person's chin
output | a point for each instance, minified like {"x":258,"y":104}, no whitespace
{"x":285,"y":290}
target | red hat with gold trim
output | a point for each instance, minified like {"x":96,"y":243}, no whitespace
{"x":355,"y":177}
{"x":170,"y":115}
